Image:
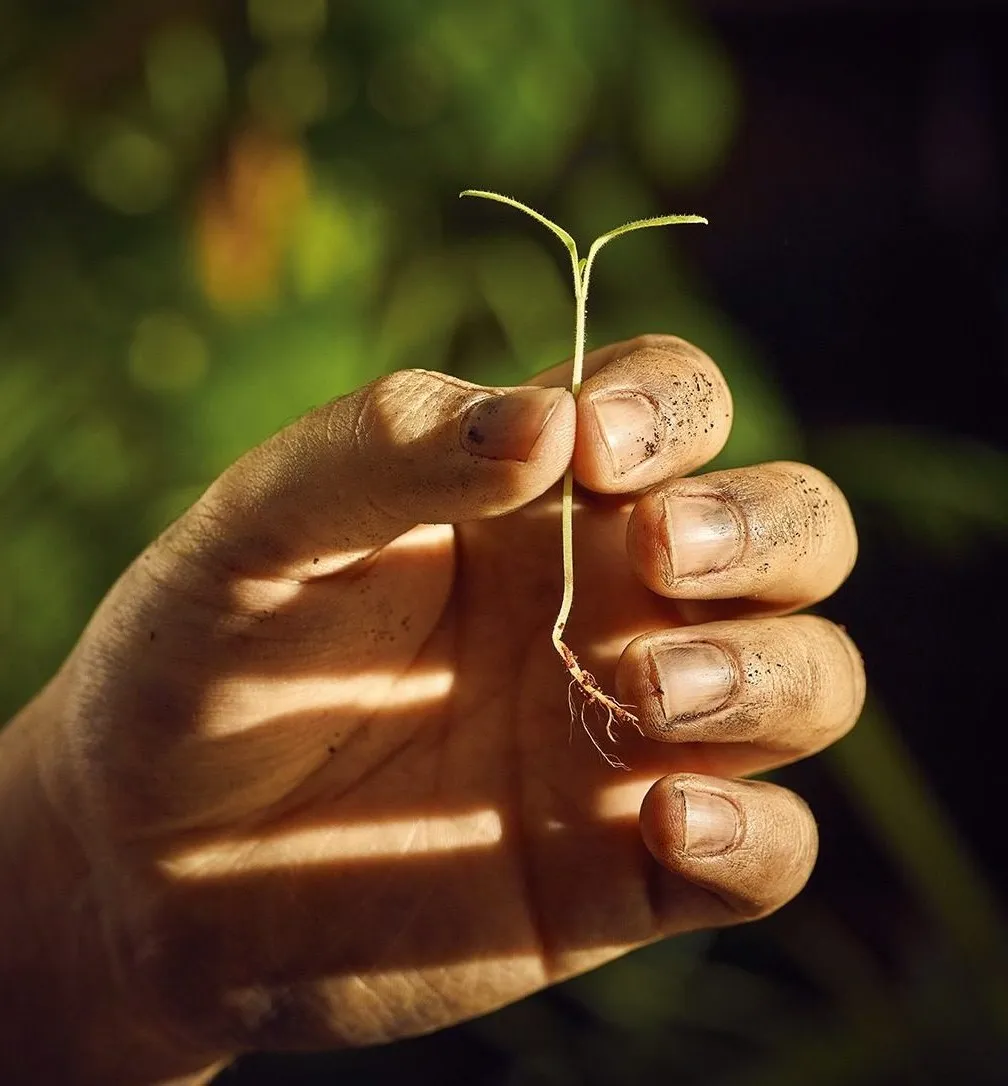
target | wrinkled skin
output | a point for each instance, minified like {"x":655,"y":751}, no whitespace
{"x":319,"y":761}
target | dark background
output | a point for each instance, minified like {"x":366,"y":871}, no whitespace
{"x":155,"y":320}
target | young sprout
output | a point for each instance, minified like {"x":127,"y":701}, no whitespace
{"x":593,"y":695}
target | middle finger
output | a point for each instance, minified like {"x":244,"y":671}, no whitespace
{"x":765,"y":539}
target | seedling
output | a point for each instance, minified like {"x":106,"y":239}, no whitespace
{"x":592,"y":694}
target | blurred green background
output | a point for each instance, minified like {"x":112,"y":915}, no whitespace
{"x":215,"y":214}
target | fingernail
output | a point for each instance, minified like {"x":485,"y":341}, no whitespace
{"x":712,"y":823}
{"x":704,"y":535}
{"x":691,"y":679}
{"x":507,"y":427}
{"x":631,"y":427}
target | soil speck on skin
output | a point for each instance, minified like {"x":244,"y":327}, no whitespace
{"x":475,"y":435}
{"x":314,"y":561}
{"x":331,"y":749}
{"x":152,"y":635}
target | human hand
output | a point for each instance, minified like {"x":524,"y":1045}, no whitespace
{"x":315,"y":746}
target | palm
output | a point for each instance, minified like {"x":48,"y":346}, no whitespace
{"x":394,"y":745}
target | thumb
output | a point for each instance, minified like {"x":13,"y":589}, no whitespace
{"x":414,"y":447}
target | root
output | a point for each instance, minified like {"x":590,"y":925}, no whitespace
{"x":594,"y":697}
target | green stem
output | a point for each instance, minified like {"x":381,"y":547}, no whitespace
{"x":567,"y":514}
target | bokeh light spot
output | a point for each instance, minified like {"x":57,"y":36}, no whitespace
{"x":323,"y":246}
{"x":271,"y":19}
{"x":186,"y":75}
{"x":246,"y":219}
{"x":128,"y":169}
{"x":167,"y":353}
{"x":289,"y":89}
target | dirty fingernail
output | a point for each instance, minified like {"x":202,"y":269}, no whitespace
{"x":691,"y":679}
{"x":631,"y":428}
{"x":507,"y":427}
{"x":704,"y":535}
{"x":711,"y":823}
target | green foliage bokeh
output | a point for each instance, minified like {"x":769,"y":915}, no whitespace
{"x":214,"y":221}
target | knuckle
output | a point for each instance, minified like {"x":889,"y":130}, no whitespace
{"x":393,"y":390}
{"x":376,"y":412}
{"x":339,"y":419}
{"x":400,"y":383}
{"x":406,"y":404}
{"x":384,"y":395}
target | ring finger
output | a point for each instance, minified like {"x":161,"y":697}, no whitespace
{"x":743,"y":695}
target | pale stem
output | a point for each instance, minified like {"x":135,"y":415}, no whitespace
{"x":567,"y":513}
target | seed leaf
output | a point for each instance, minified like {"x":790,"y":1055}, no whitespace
{"x":638,"y":224}
{"x":558,"y":230}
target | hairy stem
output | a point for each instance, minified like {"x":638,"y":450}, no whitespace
{"x":567,"y":513}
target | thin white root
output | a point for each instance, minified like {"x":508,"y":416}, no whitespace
{"x":570,"y":705}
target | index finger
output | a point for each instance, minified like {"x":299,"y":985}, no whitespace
{"x":650,"y":409}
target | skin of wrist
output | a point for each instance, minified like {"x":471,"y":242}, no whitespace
{"x":72,"y":1014}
